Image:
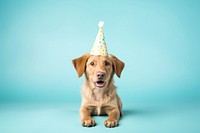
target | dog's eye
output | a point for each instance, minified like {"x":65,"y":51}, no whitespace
{"x":92,"y":63}
{"x":107,"y":63}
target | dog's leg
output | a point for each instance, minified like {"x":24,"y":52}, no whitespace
{"x":119,"y":102}
{"x":113,"y":117}
{"x":86,"y":118}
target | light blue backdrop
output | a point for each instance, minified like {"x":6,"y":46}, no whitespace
{"x":158,"y":41}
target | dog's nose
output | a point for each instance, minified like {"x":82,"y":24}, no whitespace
{"x":100,"y":75}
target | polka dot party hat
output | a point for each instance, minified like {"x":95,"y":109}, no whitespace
{"x":99,"y":46}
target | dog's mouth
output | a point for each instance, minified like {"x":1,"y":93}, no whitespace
{"x":100,"y":84}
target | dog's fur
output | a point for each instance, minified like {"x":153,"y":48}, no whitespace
{"x":99,"y":96}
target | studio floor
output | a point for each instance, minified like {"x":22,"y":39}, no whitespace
{"x":64,"y":118}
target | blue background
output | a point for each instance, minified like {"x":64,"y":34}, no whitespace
{"x":158,"y":41}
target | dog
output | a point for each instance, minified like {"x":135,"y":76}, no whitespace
{"x":99,"y":96}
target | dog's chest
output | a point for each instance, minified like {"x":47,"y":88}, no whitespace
{"x":97,"y":109}
{"x":99,"y":96}
{"x":100,"y":102}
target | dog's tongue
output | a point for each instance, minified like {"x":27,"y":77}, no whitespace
{"x":100,"y":84}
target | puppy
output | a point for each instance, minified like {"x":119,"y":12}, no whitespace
{"x":99,"y":96}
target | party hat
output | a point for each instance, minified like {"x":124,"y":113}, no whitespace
{"x":99,"y":46}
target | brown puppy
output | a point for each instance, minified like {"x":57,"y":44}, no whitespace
{"x":99,"y":96}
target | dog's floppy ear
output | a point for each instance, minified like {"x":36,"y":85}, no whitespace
{"x":79,"y":64}
{"x":117,"y":64}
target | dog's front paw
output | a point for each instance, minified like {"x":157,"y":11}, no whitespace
{"x":89,"y":122}
{"x":111,"y":123}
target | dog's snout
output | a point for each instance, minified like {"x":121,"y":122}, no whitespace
{"x":100,"y":75}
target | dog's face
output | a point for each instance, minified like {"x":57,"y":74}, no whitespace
{"x":98,"y":69}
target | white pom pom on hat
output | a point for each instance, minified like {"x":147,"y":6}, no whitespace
{"x":101,"y":23}
{"x":99,"y":46}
